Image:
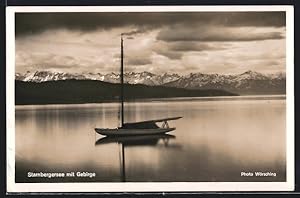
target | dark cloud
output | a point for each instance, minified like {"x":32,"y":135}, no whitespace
{"x":214,"y":34}
{"x":175,"y":50}
{"x":193,"y":46}
{"x":31,"y":23}
{"x":134,"y":32}
{"x":261,"y":19}
{"x":170,"y":54}
{"x":138,"y":61}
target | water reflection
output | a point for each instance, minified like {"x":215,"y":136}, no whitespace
{"x":215,"y":141}
{"x":137,"y":140}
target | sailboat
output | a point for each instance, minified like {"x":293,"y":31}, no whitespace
{"x":148,"y":127}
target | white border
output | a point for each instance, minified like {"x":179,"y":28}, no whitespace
{"x":147,"y":186}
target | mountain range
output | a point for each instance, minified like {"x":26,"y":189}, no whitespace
{"x":145,"y":78}
{"x":249,"y":82}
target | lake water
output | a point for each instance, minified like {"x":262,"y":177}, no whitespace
{"x":216,"y":140}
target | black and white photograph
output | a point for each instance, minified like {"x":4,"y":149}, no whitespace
{"x":156,"y":98}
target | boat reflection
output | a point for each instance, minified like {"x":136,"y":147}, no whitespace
{"x":140,"y":140}
{"x":136,"y":140}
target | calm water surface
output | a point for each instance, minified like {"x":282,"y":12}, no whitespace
{"x":216,"y":140}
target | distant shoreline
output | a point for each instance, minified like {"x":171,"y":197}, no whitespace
{"x":89,"y":91}
{"x":177,"y":99}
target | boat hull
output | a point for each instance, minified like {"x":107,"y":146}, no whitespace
{"x":128,"y":132}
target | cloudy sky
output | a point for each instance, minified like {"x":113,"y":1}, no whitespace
{"x":207,"y":42}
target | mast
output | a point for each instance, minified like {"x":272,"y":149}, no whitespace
{"x":122,"y":84}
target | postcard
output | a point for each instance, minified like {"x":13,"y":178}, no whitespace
{"x":150,"y":98}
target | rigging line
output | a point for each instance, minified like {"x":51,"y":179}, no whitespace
{"x":122,"y":84}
